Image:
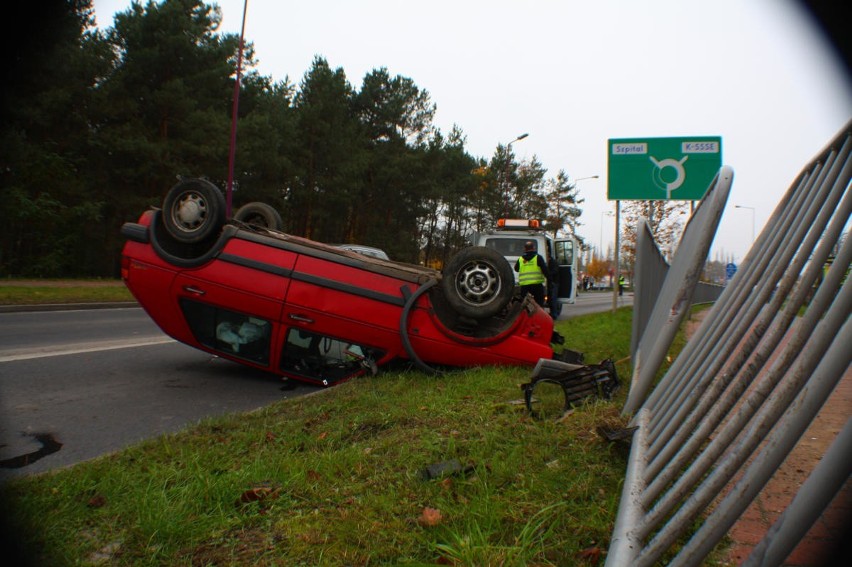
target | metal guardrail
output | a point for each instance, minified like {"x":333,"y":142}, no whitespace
{"x":675,"y":294}
{"x":650,"y":273}
{"x":648,"y":278}
{"x":747,"y":385}
{"x":706,"y":292}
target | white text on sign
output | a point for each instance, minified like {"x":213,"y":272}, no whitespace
{"x":700,"y":147}
{"x":630,"y":149}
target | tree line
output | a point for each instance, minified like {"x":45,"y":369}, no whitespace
{"x":98,"y":123}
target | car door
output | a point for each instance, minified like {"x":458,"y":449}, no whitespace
{"x":339,"y":298}
{"x":323,"y":358}
{"x":233,"y":304}
{"x":565,"y":253}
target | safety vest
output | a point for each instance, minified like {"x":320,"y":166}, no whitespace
{"x":529,"y":272}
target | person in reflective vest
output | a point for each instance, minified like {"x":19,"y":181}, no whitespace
{"x":532,"y":273}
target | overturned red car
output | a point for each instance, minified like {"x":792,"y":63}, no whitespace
{"x":313,"y":312}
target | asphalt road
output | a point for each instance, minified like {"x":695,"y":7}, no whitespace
{"x":594,"y":302}
{"x":99,"y":380}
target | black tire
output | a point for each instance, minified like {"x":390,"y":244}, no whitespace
{"x":259,"y":214}
{"x":193,"y":210}
{"x":478,"y":282}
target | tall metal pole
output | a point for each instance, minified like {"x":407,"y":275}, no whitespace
{"x":575,"y":185}
{"x":651,"y":216}
{"x":617,"y":246}
{"x":506,"y":172}
{"x":558,"y":200}
{"x":232,"y":150}
{"x":752,"y":218}
{"x":603,"y":214}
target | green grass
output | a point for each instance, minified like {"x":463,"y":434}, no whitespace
{"x":599,"y":336}
{"x":337,"y":478}
{"x":29,"y":292}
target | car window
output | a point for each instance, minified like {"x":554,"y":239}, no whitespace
{"x":374,"y":253}
{"x":365,"y":250}
{"x":565,"y":252}
{"x":322,"y":358}
{"x":229,"y":332}
{"x":507,"y":246}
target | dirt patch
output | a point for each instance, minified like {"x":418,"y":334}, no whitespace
{"x":694,"y":321}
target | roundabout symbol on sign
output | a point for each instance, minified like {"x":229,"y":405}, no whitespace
{"x":680,"y":174}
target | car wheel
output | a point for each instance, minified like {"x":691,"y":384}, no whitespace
{"x":193,"y":210}
{"x":259,"y":214}
{"x":478,"y":282}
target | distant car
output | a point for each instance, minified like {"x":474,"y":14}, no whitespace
{"x":314,"y":312}
{"x":366,"y":250}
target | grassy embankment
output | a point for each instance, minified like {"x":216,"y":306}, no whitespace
{"x":39,"y":292}
{"x":337,"y":479}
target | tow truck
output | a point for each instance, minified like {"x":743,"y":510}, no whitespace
{"x":508,"y":238}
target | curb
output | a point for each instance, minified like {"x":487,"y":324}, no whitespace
{"x":66,"y":306}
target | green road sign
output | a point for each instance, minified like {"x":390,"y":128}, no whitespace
{"x":678,"y":169}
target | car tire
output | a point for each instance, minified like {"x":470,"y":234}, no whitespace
{"x":478,"y":282}
{"x":259,"y":214}
{"x":193,"y":210}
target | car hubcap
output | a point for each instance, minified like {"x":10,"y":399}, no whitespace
{"x":478,"y":283}
{"x":191,"y":212}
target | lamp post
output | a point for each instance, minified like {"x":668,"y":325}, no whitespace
{"x":589,"y":177}
{"x":752,"y":218}
{"x":506,"y":173}
{"x":232,"y":149}
{"x":603,"y":214}
{"x":558,"y":215}
{"x":592,"y":177}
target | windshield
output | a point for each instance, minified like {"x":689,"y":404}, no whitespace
{"x":507,"y":246}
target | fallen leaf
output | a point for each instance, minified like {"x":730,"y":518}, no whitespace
{"x":264,"y":491}
{"x":590,"y":555}
{"x":430,"y":517}
{"x":96,"y":501}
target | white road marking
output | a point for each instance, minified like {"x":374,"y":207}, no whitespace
{"x":79,"y":348}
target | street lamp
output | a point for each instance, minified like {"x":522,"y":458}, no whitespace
{"x":603,"y":214}
{"x":571,"y":186}
{"x":506,"y":174}
{"x":610,"y":214}
{"x":752,"y":218}
{"x":589,"y":177}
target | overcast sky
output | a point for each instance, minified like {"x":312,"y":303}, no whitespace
{"x":575,"y":73}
